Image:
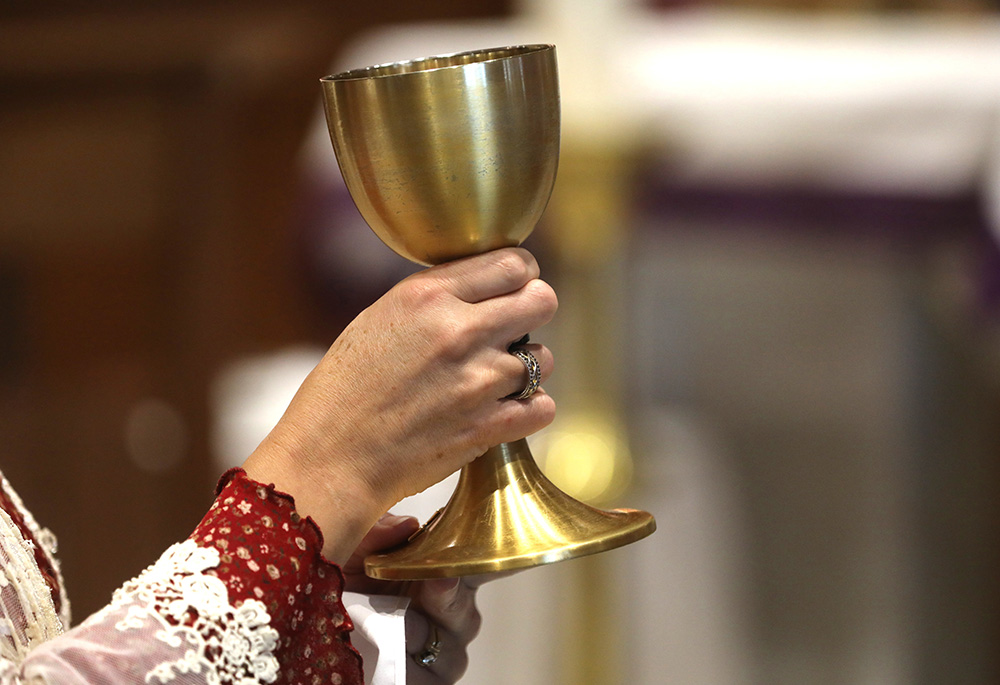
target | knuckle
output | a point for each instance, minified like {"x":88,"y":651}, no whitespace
{"x":449,"y":337}
{"x":418,"y":292}
{"x":474,"y":386}
{"x":514,"y":265}
{"x":548,"y":361}
{"x":475,"y":623}
{"x":543,"y":409}
{"x":454,"y":337}
{"x":543,"y":296}
{"x":458,"y":665}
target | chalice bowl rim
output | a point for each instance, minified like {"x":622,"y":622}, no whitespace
{"x":449,"y":60}
{"x":452,"y":155}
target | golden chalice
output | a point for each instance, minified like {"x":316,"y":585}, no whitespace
{"x":446,"y":157}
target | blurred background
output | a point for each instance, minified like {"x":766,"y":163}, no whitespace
{"x":774,"y":235}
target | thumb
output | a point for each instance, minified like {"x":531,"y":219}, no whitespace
{"x":388,"y":531}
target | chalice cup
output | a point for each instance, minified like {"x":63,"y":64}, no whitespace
{"x":447,"y":157}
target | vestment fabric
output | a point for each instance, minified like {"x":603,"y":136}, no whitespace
{"x":248,"y":598}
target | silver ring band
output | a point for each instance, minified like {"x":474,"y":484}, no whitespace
{"x":431,"y":652}
{"x":534,"y":374}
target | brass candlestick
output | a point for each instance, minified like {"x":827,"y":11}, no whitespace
{"x":446,"y":157}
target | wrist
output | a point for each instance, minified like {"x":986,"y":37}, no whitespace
{"x":341,"y":505}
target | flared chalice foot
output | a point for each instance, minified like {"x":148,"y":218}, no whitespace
{"x":447,"y":157}
{"x":506,"y":515}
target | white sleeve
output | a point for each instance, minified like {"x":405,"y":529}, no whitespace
{"x":379,"y":635}
{"x":173,"y":624}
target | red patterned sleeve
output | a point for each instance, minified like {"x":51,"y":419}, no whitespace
{"x":267,"y":552}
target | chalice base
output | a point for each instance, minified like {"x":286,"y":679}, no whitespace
{"x":506,"y":515}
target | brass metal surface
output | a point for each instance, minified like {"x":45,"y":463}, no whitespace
{"x":447,"y":157}
{"x":506,"y":515}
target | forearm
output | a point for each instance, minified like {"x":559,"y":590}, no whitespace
{"x":247,"y":598}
